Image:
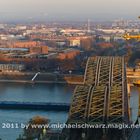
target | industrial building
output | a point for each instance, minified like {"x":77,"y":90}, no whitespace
{"x":12,"y":67}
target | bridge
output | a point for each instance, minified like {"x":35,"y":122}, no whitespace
{"x":103,"y":99}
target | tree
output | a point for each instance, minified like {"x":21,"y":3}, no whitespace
{"x":36,"y":127}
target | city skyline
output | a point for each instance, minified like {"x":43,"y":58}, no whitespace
{"x":30,"y":10}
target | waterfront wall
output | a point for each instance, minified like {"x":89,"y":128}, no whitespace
{"x":26,"y":77}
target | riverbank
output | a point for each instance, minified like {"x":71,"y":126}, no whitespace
{"x":32,"y":77}
{"x":54,"y":78}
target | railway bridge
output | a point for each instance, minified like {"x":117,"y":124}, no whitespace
{"x":101,"y":102}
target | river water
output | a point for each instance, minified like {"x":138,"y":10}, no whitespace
{"x":58,"y":93}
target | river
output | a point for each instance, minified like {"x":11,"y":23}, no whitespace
{"x":59,"y":93}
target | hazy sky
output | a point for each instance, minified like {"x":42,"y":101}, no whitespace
{"x":11,"y":10}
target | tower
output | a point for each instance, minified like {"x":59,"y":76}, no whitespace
{"x":88,"y":26}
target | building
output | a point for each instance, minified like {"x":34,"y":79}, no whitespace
{"x":74,"y":42}
{"x":44,"y":49}
{"x":61,"y":43}
{"x":106,"y":38}
{"x":25,"y":44}
{"x":104,"y":45}
{"x":39,"y":50}
{"x":77,"y":41}
{"x":68,"y":54}
{"x":11,"y":67}
{"x":87,"y":43}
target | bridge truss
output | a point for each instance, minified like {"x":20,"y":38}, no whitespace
{"x":103,"y":98}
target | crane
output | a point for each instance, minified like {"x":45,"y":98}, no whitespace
{"x":127,"y":36}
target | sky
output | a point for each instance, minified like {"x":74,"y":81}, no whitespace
{"x":68,"y":10}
